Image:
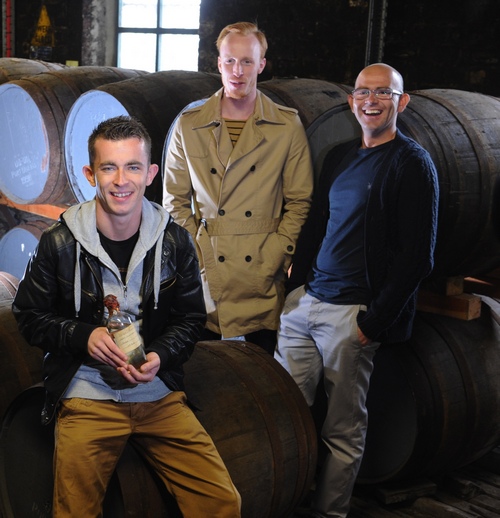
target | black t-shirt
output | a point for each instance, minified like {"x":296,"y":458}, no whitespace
{"x":119,"y":251}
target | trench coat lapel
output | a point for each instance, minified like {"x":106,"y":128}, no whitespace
{"x":250,"y":138}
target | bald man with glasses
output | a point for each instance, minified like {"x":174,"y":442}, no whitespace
{"x":366,"y":246}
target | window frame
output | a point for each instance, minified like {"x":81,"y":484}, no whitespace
{"x":158,"y":31}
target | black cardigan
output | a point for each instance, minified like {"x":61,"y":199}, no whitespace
{"x":400,"y":233}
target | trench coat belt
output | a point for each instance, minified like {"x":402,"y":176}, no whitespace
{"x":213,"y":227}
{"x":216,"y":227}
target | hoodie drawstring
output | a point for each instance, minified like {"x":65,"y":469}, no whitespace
{"x":77,"y":285}
{"x":157,"y":269}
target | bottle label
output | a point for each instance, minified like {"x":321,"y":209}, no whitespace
{"x":127,"y":339}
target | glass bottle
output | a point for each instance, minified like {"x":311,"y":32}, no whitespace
{"x":124,"y":333}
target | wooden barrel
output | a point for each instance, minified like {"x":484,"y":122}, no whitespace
{"x":259,"y":422}
{"x":249,"y":404}
{"x":8,"y":286}
{"x":334,"y":126}
{"x":461,"y":131}
{"x":16,"y":68}
{"x":33,"y":112}
{"x":323,"y":110}
{"x":26,"y":480}
{"x":155,"y":99}
{"x":21,"y":365}
{"x":310,"y":97}
{"x":26,"y":449}
{"x":434,"y":401}
{"x":18,"y":244}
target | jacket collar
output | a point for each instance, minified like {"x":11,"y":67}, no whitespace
{"x":209,"y":113}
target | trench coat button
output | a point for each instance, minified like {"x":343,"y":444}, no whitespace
{"x":248,"y":213}
{"x":221,"y":258}
{"x":289,"y":248}
{"x":221,"y":212}
{"x":252,"y":168}
{"x":248,"y":258}
{"x":213,"y":170}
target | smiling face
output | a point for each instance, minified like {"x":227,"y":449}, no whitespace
{"x":378,"y":117}
{"x":120,"y":172}
{"x":240,"y":63}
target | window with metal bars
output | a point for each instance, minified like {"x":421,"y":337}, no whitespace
{"x":158,"y":35}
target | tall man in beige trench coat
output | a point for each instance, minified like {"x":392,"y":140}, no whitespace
{"x":238,"y":175}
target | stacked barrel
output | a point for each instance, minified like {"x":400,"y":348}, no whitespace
{"x":445,"y":376}
{"x":35,"y":98}
{"x":48,"y":120}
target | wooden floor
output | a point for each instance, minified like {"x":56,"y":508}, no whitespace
{"x":470,"y":492}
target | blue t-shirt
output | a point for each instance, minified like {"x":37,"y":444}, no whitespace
{"x":339,"y":272}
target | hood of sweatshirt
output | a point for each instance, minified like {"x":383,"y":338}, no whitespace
{"x":81,"y":221}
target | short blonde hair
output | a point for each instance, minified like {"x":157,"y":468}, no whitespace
{"x":244,"y":29}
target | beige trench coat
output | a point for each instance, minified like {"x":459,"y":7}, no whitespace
{"x":244,"y":207}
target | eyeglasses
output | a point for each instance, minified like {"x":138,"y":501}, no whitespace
{"x":384,"y":94}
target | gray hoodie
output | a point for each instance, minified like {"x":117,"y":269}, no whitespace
{"x":88,"y":382}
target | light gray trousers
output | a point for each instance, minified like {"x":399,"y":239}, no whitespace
{"x":318,"y":340}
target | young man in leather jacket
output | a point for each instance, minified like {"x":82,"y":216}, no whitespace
{"x":121,"y":244}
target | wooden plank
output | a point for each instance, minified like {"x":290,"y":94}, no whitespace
{"x":477,"y":474}
{"x":485,"y":482}
{"x":463,"y":307}
{"x":485,"y":503}
{"x":460,"y":486}
{"x":403,"y":491}
{"x":483,"y":286}
{"x":445,"y":285}
{"x":463,"y":505}
{"x":439,"y":509}
{"x":364,"y":507}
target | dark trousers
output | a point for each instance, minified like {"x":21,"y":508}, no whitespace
{"x":264,"y":338}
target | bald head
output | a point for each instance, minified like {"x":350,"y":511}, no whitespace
{"x":389,"y":74}
{"x":376,"y":113}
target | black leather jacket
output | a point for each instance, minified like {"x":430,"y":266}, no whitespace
{"x":45,"y":310}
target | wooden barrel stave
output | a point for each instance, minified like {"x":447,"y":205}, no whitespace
{"x":433,"y":401}
{"x":310,"y":97}
{"x":21,"y":364}
{"x":17,"y":68}
{"x":155,"y":99}
{"x":34,"y":111}
{"x":461,"y":132}
{"x":259,"y":422}
{"x":249,"y":404}
{"x":18,"y":244}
